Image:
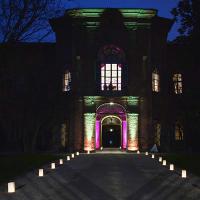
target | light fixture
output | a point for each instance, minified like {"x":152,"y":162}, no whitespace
{"x":146,"y":153}
{"x":53,"y":165}
{"x":111,"y":103}
{"x":164,"y":163}
{"x":171,"y":167}
{"x":68,"y":158}
{"x":152,"y":156}
{"x":101,"y":148}
{"x":72,"y":155}
{"x":41,"y":173}
{"x":184,"y":174}
{"x":77,"y":153}
{"x":160,"y":159}
{"x":61,"y":161}
{"x":138,"y":152}
{"x":111,"y":130}
{"x":88,"y":152}
{"x":120,"y":147}
{"x":11,"y":187}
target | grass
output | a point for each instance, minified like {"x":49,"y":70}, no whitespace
{"x":190,"y":162}
{"x":12,"y":166}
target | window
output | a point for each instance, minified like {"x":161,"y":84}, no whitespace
{"x":157,"y":132}
{"x":155,"y":81}
{"x":111,"y":77}
{"x":178,"y":84}
{"x":111,"y":59}
{"x":67,"y":81}
{"x":178,"y":132}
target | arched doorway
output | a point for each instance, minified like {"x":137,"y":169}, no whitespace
{"x":111,"y":129}
{"x":111,"y":126}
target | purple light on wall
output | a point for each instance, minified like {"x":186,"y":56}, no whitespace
{"x":98,"y":125}
{"x":124,"y":133}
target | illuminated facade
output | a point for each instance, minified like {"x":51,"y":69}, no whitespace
{"x":113,"y":79}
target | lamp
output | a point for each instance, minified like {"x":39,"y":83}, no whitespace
{"x":41,"y":173}
{"x":184,"y":174}
{"x":72,"y":155}
{"x":171,"y":167}
{"x":164,"y":163}
{"x":53,"y":165}
{"x":77,"y":153}
{"x":152,"y":156}
{"x":61,"y":161}
{"x":160,"y":159}
{"x":146,"y":153}
{"x":68,"y":158}
{"x":11,"y":187}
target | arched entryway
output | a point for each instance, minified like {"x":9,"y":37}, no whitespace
{"x":111,"y":129}
{"x":111,"y":126}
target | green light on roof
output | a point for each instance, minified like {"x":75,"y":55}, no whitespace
{"x":127,"y":13}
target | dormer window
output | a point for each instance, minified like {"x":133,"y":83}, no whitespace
{"x":178,"y":83}
{"x":66,"y":81}
{"x":155,"y":81}
{"x":111,"y":77}
{"x":111,"y":61}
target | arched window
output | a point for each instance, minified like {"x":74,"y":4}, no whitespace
{"x":66,"y":81}
{"x":178,"y":83}
{"x":111,"y":59}
{"x":155,"y":81}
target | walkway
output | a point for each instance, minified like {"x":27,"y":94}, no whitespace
{"x":106,"y":177}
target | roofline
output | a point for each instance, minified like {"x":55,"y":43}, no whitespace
{"x":127,"y":12}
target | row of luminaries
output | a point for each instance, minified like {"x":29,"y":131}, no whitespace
{"x":11,"y":185}
{"x":164,"y":163}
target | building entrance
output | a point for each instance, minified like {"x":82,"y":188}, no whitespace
{"x":111,"y":126}
{"x":111,"y":132}
{"x":111,"y":136}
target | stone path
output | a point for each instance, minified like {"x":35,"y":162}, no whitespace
{"x":106,"y":177}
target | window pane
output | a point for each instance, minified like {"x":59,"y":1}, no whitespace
{"x":102,"y":79}
{"x":108,"y":67}
{"x":114,"y":86}
{"x":108,"y":73}
{"x":119,"y":80}
{"x":179,"y":77}
{"x":114,"y":74}
{"x":114,"y":67}
{"x":108,"y":80}
{"x":119,"y":73}
{"x":119,"y":87}
{"x":114,"y":80}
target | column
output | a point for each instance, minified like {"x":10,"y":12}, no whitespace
{"x":132,"y":131}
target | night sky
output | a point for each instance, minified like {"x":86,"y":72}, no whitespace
{"x":163,"y":6}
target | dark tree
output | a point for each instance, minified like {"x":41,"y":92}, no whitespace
{"x":22,"y":20}
{"x":188,"y":14}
